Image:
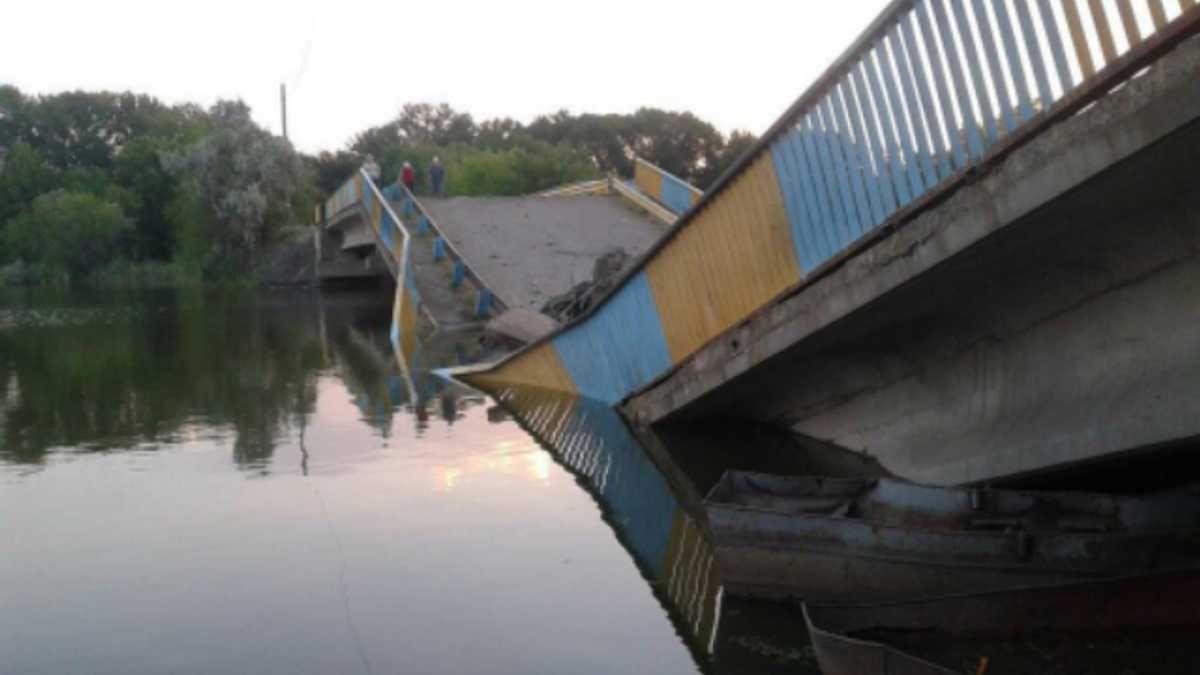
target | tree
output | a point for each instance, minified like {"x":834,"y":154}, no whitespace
{"x":68,"y":231}
{"x":25,"y":176}
{"x":240,"y":183}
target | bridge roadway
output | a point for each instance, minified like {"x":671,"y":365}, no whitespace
{"x":530,"y":249}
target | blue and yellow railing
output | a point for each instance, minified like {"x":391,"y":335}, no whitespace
{"x":393,"y":242}
{"x":933,"y":91}
{"x":465,"y":280}
{"x":668,"y":189}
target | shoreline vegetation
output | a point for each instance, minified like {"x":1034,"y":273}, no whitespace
{"x":121,"y":190}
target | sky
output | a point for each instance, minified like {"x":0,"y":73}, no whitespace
{"x":352,"y":65}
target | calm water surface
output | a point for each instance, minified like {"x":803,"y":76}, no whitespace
{"x":255,"y":483}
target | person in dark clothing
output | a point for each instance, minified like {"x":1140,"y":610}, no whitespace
{"x":408,"y":177}
{"x":437,"y":178}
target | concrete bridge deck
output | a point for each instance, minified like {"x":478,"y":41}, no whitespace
{"x":530,"y":249}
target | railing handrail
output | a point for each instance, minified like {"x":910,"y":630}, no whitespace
{"x":637,"y":159}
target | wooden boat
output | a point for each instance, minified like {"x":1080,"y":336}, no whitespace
{"x":1078,"y":627}
{"x":871,"y":540}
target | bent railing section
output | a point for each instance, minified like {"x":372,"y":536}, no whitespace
{"x":668,"y":189}
{"x":932,"y":91}
{"x":393,"y":241}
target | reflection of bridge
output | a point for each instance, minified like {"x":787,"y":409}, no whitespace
{"x":969,"y":250}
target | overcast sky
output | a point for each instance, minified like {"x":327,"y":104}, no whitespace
{"x":350,"y":65}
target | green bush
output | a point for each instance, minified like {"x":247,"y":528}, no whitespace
{"x":70,"y":232}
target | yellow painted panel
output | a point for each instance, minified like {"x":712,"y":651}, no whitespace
{"x":376,"y":214}
{"x":731,"y":259}
{"x":538,"y":367}
{"x":408,"y":324}
{"x":647,"y":180}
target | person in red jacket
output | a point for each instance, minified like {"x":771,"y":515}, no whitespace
{"x":408,"y":177}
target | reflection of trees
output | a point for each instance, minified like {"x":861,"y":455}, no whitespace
{"x":137,"y":373}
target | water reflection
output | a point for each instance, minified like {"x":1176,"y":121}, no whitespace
{"x":78,"y":374}
{"x":649,"y":488}
{"x":397,"y":520}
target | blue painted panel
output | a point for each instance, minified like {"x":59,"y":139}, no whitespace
{"x":596,"y":445}
{"x":995,"y":67}
{"x":836,"y":146}
{"x":620,"y":348}
{"x":874,"y":160}
{"x":941,"y":81}
{"x":907,"y":163}
{"x":1015,"y":66}
{"x":1056,"y":45}
{"x":790,"y":187}
{"x":1035,"y":54}
{"x":977,"y":81}
{"x":816,"y":201}
{"x":929,"y":111}
{"x":386,"y":230}
{"x":851,"y":153}
{"x":969,"y":126}
{"x":822,"y":173}
{"x":675,"y":194}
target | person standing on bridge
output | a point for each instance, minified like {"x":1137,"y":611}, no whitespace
{"x":437,"y":178}
{"x":408,"y":176}
{"x":372,"y":168}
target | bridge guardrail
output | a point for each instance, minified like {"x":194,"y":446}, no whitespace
{"x":931,"y":92}
{"x":670,"y":190}
{"x":485,"y":298}
{"x":393,"y":241}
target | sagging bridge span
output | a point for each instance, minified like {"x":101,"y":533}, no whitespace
{"x":970,"y":250}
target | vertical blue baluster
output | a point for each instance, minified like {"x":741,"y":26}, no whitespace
{"x":921,"y":121}
{"x":822,"y":192}
{"x":837,"y":147}
{"x":809,"y":197}
{"x":883,"y":201}
{"x":1020,"y":82}
{"x":937,"y":128}
{"x":886,"y":118}
{"x":1056,"y":45}
{"x":439,"y":249}
{"x":969,"y":123}
{"x":459,"y":274}
{"x":863,"y":179}
{"x":995,"y":67}
{"x":887,"y":73}
{"x":409,"y":207}
{"x":976,"y":71}
{"x":941,"y":81}
{"x":829,"y":175}
{"x":423,"y":225}
{"x":1035,"y":54}
{"x":483,"y":302}
{"x":789,"y":177}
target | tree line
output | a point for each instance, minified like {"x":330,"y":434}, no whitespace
{"x":502,"y":156}
{"x":103,"y":185}
{"x":99,"y":182}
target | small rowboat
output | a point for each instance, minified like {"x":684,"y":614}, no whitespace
{"x":1145,"y":623}
{"x":872,"y":540}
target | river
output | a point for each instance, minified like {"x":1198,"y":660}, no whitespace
{"x":254,"y":482}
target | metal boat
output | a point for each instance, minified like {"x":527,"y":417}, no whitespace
{"x":872,"y":540}
{"x":1077,"y":627}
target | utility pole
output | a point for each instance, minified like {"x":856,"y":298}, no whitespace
{"x":283,"y":107}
